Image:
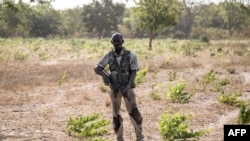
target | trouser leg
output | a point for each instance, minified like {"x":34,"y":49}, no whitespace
{"x":134,"y":114}
{"x":118,"y":127}
{"x":117,"y":119}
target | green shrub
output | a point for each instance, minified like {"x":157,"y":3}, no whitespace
{"x":20,"y":56}
{"x":62,"y":79}
{"x":244,"y":115}
{"x":141,"y":74}
{"x":186,"y":49}
{"x":231,"y":70}
{"x":44,"y":56}
{"x":90,"y":127}
{"x":223,"y":82}
{"x":155,"y":93}
{"x":219,"y":50}
{"x":209,"y":77}
{"x":204,"y":38}
{"x":239,"y":52}
{"x":172,"y":75}
{"x":175,"y":126}
{"x":176,"y":94}
{"x":230,"y":99}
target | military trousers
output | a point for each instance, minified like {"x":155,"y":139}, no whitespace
{"x":134,"y":114}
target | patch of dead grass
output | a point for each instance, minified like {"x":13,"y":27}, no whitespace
{"x":32,"y":86}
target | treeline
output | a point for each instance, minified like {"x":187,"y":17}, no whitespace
{"x":227,"y":19}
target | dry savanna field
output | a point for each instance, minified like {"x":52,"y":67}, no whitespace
{"x":44,"y":81}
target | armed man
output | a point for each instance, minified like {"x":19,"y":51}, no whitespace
{"x":123,"y":66}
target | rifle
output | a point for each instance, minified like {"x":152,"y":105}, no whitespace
{"x":115,"y":84}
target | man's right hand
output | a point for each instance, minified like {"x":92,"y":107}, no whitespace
{"x":106,"y":80}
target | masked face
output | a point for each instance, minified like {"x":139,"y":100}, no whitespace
{"x":117,"y":43}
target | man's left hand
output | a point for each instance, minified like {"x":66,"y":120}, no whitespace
{"x":126,"y":89}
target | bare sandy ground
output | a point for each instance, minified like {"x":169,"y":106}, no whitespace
{"x":33,"y":107}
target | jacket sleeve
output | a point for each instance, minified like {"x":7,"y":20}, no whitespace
{"x":133,"y":62}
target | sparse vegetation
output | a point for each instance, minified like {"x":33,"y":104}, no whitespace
{"x":29,"y":84}
{"x":20,"y":56}
{"x":209,"y":77}
{"x":244,"y":114}
{"x":43,"y":56}
{"x":141,"y":74}
{"x":231,"y":70}
{"x":172,"y":75}
{"x":156,"y":91}
{"x":62,"y":79}
{"x":176,"y":93}
{"x":176,"y":126}
{"x":223,"y":82}
{"x":230,"y":99}
{"x":88,"y":127}
{"x":204,"y":38}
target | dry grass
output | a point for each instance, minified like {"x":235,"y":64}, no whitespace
{"x":35,"y":107}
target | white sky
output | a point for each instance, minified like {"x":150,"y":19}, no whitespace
{"x":65,"y":4}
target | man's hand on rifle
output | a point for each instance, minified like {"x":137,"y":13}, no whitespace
{"x":106,"y":80}
{"x":126,"y":89}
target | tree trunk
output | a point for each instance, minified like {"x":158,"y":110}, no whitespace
{"x":150,"y":39}
{"x":190,"y":18}
{"x":189,"y":23}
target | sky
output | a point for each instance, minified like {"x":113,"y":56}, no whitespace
{"x":66,"y":4}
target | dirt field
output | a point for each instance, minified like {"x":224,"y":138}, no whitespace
{"x":34,"y":107}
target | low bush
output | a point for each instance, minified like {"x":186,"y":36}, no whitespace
{"x":90,"y":127}
{"x":175,"y":126}
{"x":176,"y":94}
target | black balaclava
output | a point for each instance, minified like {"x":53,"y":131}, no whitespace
{"x":117,"y":41}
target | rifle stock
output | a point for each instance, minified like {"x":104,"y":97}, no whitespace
{"x":116,"y":85}
{"x":113,"y":81}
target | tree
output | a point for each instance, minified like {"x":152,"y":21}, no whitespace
{"x":102,"y":16}
{"x":188,"y":17}
{"x":20,"y":19}
{"x":72,"y":22}
{"x":236,"y":15}
{"x":44,"y":21}
{"x":130,"y":25}
{"x":12,"y":19}
{"x":154,"y":15}
{"x":208,"y":21}
{"x":11,"y":5}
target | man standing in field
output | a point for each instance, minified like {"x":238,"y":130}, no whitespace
{"x":123,"y":66}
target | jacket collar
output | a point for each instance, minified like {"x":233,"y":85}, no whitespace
{"x":122,"y":52}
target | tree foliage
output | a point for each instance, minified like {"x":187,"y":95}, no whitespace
{"x":130,"y":24}
{"x":72,"y":24}
{"x":45,"y":22}
{"x":102,"y":16}
{"x":154,"y":15}
{"x":235,"y":15}
{"x":193,"y":19}
{"x":38,"y":21}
